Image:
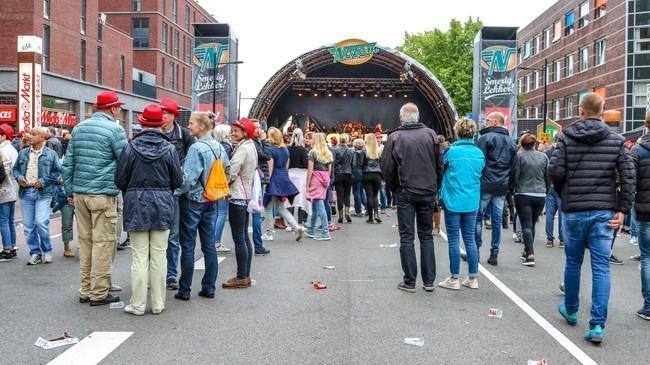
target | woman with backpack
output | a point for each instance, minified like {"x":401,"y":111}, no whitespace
{"x":197,"y":212}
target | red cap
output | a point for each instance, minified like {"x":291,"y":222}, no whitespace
{"x":151,"y":116}
{"x":7,"y":131}
{"x":246,"y":125}
{"x":170,"y":106}
{"x":107,"y":99}
{"x":334,"y":140}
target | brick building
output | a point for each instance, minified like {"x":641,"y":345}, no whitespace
{"x":589,"y":45}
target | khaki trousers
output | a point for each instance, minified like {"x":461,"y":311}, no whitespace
{"x":96,"y":225}
{"x":149,"y":251}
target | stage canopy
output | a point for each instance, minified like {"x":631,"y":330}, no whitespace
{"x":353,"y":81}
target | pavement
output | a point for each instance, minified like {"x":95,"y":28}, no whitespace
{"x":361,"y":318}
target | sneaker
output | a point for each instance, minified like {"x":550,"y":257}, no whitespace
{"x":322,"y":237}
{"x":129,"y":309}
{"x":115,"y":288}
{"x":221,"y":248}
{"x":571,"y":319}
{"x":35,"y":260}
{"x":562,"y":288}
{"x":262,"y":252}
{"x":14,"y":252}
{"x":463,"y":256}
{"x":615,"y":260}
{"x":635,"y":257}
{"x":472,"y":284}
{"x":6,"y":256}
{"x":492,"y":260}
{"x":529,"y":261}
{"x":370,"y":221}
{"x":517,"y":237}
{"x":299,"y":234}
{"x":172,"y":284}
{"x":448,"y":284}
{"x":595,"y":335}
{"x":382,"y":211}
{"x":124,"y":245}
{"x":157,"y":310}
{"x":310,"y":233}
{"x":47,"y":257}
{"x":561,"y":245}
{"x":550,"y":244}
{"x":406,"y":288}
{"x":634,"y":241}
{"x":488,"y":224}
{"x":236,"y":283}
{"x":206,"y":294}
{"x":107,"y":300}
{"x":267,"y":237}
{"x":644,"y":313}
{"x":378,"y":220}
{"x":182,"y":297}
{"x":288,"y":229}
{"x":428,"y":287}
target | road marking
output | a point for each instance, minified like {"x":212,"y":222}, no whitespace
{"x":56,"y":235}
{"x":200,"y":263}
{"x":534,"y":315}
{"x":92,"y":349}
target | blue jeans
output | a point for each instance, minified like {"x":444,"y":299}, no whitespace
{"x":495,"y":204}
{"x":455,"y":223}
{"x":318,"y":211}
{"x":36,"y":220}
{"x":257,"y":231}
{"x":8,"y":225}
{"x":197,"y":216}
{"x":382,"y":196}
{"x":222,"y":215}
{"x":581,"y":230}
{"x":553,"y":205}
{"x":358,"y":191}
{"x":634,"y":225}
{"x":644,"y":247}
{"x":173,"y":245}
{"x":328,"y":204}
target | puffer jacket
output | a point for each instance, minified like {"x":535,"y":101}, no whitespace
{"x":500,"y":158}
{"x":591,"y":169}
{"x":641,"y":155}
{"x":198,"y":163}
{"x":147,"y":173}
{"x":9,"y":187}
{"x":243,"y":166}
{"x":49,"y":171}
{"x":343,"y":156}
{"x":91,"y":157}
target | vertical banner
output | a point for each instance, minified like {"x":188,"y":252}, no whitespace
{"x":213,"y":78}
{"x":25,"y":96}
{"x":38,"y":103}
{"x":495,"y":80}
{"x":29,"y":93}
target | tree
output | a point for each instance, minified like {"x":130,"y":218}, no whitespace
{"x":449,"y":55}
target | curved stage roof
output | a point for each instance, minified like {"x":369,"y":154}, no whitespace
{"x":371,"y":92}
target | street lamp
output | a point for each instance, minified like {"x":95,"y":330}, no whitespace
{"x":544,"y":70}
{"x":239,"y":104}
{"x":214,"y":81}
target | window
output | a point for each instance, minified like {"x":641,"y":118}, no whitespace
{"x":537,"y":44}
{"x":528,"y":83}
{"x":640,"y":93}
{"x":122,"y":72}
{"x":527,"y":50}
{"x":174,"y":10}
{"x":162,"y":73}
{"x":557,"y":31}
{"x":642,"y":39}
{"x":556,"y":109}
{"x":83,"y":16}
{"x":46,"y":48}
{"x":137,"y":5}
{"x":527,"y":113}
{"x":46,"y":9}
{"x":520,"y":84}
{"x":171,"y":75}
{"x":584,"y":15}
{"x":99,"y":65}
{"x":177,"y":79}
{"x":548,"y":76}
{"x":584,"y":59}
{"x":187,"y":17}
{"x":82,"y":61}
{"x":536,"y":77}
{"x":547,"y":38}
{"x":164,"y":37}
{"x":188,"y":50}
{"x":557,"y":70}
{"x":177,"y":41}
{"x":183,"y":80}
{"x":569,"y":65}
{"x":569,"y":21}
{"x":568,"y":104}
{"x":194,"y":18}
{"x":100,"y":31}
{"x":600,"y":50}
{"x":536,"y":111}
{"x":600,"y":8}
{"x":140,"y":32}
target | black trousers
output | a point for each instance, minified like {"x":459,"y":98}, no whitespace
{"x":529,"y":209}
{"x":371,"y":184}
{"x":412,"y":208}
{"x":343,"y":187}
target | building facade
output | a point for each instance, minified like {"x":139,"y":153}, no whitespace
{"x":598,"y":46}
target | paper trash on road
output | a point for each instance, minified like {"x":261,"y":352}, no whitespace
{"x":117,"y":305}
{"x":495,"y":313}
{"x":329,"y":267}
{"x":392,"y":245}
{"x":414,"y":341}
{"x":537,"y":362}
{"x":64,"y":340}
{"x":318,"y":285}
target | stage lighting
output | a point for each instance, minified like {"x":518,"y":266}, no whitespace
{"x":299,"y":94}
{"x":406,"y":96}
{"x":362,"y":95}
{"x":315,"y":94}
{"x":376,"y":95}
{"x":390,"y":95}
{"x":330,"y":94}
{"x":345,"y":95}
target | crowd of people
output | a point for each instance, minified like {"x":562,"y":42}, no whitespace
{"x":169,"y":184}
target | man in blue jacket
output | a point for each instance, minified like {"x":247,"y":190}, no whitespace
{"x":500,"y":154}
{"x":89,"y":181}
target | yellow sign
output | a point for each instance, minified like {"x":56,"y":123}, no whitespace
{"x":353,"y":51}
{"x":552,"y":129}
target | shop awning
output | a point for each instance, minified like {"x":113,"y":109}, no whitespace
{"x":557,"y":31}
{"x":601,"y":3}
{"x":570,"y":18}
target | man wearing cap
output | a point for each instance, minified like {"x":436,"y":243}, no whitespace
{"x":182,"y":140}
{"x":89,"y":181}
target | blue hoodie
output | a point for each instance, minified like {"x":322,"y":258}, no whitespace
{"x":461,"y":183}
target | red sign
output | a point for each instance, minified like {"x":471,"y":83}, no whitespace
{"x":58,"y":118}
{"x":505,"y":112}
{"x":8,"y":114}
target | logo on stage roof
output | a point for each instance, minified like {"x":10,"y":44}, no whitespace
{"x":499,"y":59}
{"x":353,"y":51}
{"x":210,"y":54}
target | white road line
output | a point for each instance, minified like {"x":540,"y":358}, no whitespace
{"x":532,"y":313}
{"x":200,"y":263}
{"x":92,"y":349}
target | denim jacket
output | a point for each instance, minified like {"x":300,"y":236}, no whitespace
{"x":197,"y":165}
{"x":49,"y":171}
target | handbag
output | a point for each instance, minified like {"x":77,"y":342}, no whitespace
{"x":256,"y":203}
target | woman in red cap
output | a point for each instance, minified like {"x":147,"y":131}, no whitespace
{"x":242,"y":169}
{"x":147,"y":173}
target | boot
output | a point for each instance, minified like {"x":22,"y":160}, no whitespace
{"x":279,"y":224}
{"x":67,"y":252}
{"x":370,"y":220}
{"x":436,"y":223}
{"x":347,"y":214}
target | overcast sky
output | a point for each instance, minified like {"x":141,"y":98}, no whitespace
{"x":272,"y":33}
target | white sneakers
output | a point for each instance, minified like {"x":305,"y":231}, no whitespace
{"x":131,"y":310}
{"x":634,"y":241}
{"x":47,"y":257}
{"x":221,"y":248}
{"x":455,"y":284}
{"x":267,"y":237}
{"x":472,"y":284}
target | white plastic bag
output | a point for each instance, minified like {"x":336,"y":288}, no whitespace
{"x":256,"y":204}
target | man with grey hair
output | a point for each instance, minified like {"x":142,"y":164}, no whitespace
{"x":500,"y":155}
{"x":411,"y":165}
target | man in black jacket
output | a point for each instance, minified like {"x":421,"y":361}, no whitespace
{"x":411,"y":165}
{"x":593,"y":172}
{"x":500,"y":155}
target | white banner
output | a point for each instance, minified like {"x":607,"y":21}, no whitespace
{"x":25,"y":96}
{"x":38,"y":76}
{"x":30,"y":44}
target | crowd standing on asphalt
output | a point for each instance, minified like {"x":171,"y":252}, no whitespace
{"x":170,"y":184}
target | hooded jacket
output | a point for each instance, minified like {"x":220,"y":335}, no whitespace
{"x":591,"y":169}
{"x":641,"y":155}
{"x":411,"y":160}
{"x":500,"y":158}
{"x":147,"y":173}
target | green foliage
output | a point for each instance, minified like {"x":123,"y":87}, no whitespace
{"x":449,"y":55}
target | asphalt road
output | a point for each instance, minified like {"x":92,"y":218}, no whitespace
{"x":360,"y":319}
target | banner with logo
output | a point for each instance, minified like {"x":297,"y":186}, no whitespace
{"x":25,"y":96}
{"x":7,"y":114}
{"x":495,"y":81}
{"x":30,"y":50}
